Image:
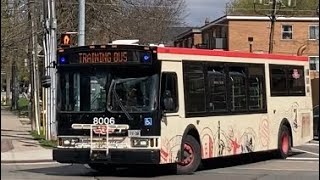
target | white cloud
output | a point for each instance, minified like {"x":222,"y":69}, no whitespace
{"x":199,"y":10}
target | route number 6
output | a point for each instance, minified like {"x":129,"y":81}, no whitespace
{"x":103,"y":120}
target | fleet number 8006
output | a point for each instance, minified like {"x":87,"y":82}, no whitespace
{"x":103,"y":120}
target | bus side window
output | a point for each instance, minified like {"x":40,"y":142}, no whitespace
{"x":169,"y":93}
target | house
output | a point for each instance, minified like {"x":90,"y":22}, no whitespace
{"x":292,"y":35}
{"x":190,"y":38}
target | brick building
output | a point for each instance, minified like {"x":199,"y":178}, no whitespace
{"x":189,"y":38}
{"x":292,"y":35}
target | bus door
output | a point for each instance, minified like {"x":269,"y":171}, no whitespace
{"x":170,"y":139}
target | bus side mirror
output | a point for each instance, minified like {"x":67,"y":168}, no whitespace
{"x":46,"y":81}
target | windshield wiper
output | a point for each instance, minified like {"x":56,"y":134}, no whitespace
{"x":120,"y":103}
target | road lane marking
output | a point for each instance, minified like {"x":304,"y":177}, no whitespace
{"x":303,"y":158}
{"x":305,"y":151}
{"x":273,"y":169}
{"x":23,"y":164}
{"x":311,"y":144}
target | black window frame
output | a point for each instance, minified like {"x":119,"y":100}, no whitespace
{"x":229,"y":86}
{"x":287,"y":89}
{"x":208,"y":91}
{"x":226,"y":66}
{"x":263,"y":89}
{"x":175,"y":76}
{"x":186,"y":72}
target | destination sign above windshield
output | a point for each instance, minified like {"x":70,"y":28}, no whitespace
{"x":105,"y":56}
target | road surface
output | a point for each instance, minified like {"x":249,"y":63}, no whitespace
{"x":303,"y":164}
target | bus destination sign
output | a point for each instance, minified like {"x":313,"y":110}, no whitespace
{"x":104,"y":56}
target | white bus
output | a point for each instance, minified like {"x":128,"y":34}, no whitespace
{"x":229,"y":103}
{"x":164,"y":105}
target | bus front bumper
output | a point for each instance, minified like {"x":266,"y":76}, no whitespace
{"x":115,"y":156}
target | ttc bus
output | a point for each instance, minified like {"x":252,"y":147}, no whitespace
{"x":133,"y":104}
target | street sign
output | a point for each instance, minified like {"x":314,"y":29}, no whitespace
{"x":65,"y":39}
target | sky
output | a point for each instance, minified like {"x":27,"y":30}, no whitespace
{"x":200,"y":9}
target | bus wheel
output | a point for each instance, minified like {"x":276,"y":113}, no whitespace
{"x":284,"y":142}
{"x":191,"y":156}
{"x":100,"y":167}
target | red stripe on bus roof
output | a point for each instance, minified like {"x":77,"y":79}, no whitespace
{"x":205,"y":52}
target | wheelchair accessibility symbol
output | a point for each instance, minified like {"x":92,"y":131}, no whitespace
{"x":148,"y":121}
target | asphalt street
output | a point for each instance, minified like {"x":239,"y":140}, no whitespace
{"x":303,"y":164}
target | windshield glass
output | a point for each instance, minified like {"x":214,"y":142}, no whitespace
{"x":82,"y":91}
{"x":91,"y":90}
{"x":133,"y":94}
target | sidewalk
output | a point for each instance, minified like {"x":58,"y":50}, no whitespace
{"x":17,"y":145}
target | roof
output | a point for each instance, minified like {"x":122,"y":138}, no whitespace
{"x":205,"y":52}
{"x":173,"y":32}
{"x":188,"y":32}
{"x":257,"y":18}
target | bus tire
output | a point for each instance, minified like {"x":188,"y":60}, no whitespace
{"x":101,"y":167}
{"x":284,"y":142}
{"x":192,"y":156}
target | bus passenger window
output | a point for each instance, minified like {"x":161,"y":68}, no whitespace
{"x":169,"y":93}
{"x":237,"y":78}
{"x":256,"y":88}
{"x":217,"y":89}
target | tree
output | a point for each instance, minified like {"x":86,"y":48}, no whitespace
{"x":248,"y":7}
{"x":14,"y":38}
{"x":107,"y":20}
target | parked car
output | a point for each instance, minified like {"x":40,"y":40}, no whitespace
{"x":316,"y":121}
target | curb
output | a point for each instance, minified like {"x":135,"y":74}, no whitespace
{"x":27,"y":161}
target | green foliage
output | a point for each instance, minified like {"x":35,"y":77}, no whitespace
{"x":42,"y":139}
{"x":23,"y":103}
{"x":247,"y":7}
{"x":37,"y":136}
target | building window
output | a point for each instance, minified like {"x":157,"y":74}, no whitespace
{"x":314,"y":63}
{"x":314,"y":32}
{"x":286,"y":31}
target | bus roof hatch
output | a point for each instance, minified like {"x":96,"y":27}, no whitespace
{"x":125,"y":42}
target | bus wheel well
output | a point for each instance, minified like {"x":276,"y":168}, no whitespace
{"x":191,"y":131}
{"x":286,"y":123}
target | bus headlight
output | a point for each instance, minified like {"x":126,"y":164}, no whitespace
{"x":140,"y":142}
{"x":66,"y":142}
{"x":69,"y":141}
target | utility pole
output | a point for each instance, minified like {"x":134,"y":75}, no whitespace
{"x":53,"y":57}
{"x":30,"y":56}
{"x":82,"y":18}
{"x":46,"y":49}
{"x":273,"y":20}
{"x":35,"y":68}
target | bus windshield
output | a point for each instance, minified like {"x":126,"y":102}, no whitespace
{"x":102,"y":90}
{"x":133,"y":94}
{"x":82,"y":91}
